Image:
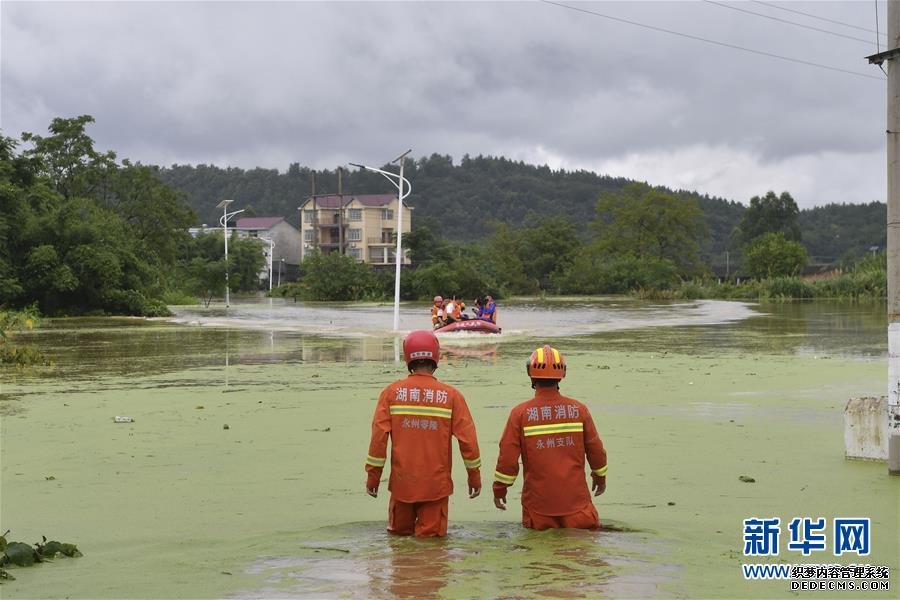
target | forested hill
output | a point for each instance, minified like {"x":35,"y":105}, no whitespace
{"x":466,"y":197}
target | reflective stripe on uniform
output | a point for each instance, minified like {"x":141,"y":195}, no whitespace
{"x":421,"y":411}
{"x":553,"y":428}
{"x":601,"y":472}
{"x":375,"y":461}
{"x":506,"y":479}
{"x":475,"y":463}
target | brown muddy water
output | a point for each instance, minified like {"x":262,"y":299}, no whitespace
{"x":687,"y":396}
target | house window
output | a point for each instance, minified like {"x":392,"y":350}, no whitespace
{"x":309,"y":235}
{"x":387,"y":214}
{"x":354,"y":235}
{"x":309,"y":216}
{"x":354,"y":214}
{"x":356,"y":253}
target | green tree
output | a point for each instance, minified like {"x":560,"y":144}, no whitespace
{"x":644,"y":222}
{"x":245,"y":261}
{"x":547,"y":249}
{"x":205,"y":278}
{"x":335,"y":277}
{"x":79,"y":232}
{"x":773,"y":255}
{"x":505,"y":249}
{"x":156,"y":215}
{"x":68,"y":158}
{"x":770,"y":214}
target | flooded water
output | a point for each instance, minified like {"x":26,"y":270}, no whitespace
{"x":241,"y":475}
{"x":265,"y":331}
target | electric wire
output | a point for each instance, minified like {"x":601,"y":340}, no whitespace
{"x":714,"y":42}
{"x":877,"y":42}
{"x":810,"y":27}
{"x":799,"y":12}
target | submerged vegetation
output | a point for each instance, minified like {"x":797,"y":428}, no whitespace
{"x":24,"y":555}
{"x":867,"y":279}
{"x":21,"y":320}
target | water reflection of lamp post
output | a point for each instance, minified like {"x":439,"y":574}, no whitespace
{"x":224,"y":222}
{"x":398,"y":181}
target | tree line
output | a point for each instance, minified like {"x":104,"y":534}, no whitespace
{"x":470,"y":196}
{"x":84,"y":233}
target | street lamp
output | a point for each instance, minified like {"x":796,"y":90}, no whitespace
{"x":398,"y":181}
{"x":224,"y":222}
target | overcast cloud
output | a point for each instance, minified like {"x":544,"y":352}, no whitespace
{"x":322,"y":84}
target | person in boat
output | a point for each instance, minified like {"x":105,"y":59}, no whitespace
{"x":488,"y":312}
{"x":420,"y":416}
{"x":553,"y":434}
{"x":477,"y":306}
{"x":460,"y":308}
{"x":451,"y":311}
{"x":437,"y":312}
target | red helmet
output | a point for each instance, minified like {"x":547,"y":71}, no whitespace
{"x":546,"y":362}
{"x":438,"y":299}
{"x":421,"y":344}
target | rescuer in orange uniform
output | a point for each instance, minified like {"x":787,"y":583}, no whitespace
{"x":437,"y":312}
{"x":420,"y":414}
{"x":553,"y":434}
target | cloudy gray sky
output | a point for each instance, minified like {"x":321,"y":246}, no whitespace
{"x":326,"y":83}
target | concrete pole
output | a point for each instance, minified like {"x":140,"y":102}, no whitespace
{"x":893,"y":237}
{"x":315,"y":219}
{"x":399,"y":255}
{"x":225,"y":226}
{"x":340,"y":172}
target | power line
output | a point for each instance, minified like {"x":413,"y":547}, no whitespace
{"x":810,"y":27}
{"x":714,"y":42}
{"x":769,"y":4}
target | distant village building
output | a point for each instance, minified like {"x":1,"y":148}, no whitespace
{"x":360,"y":226}
{"x":281,"y":239}
{"x":276,"y":236}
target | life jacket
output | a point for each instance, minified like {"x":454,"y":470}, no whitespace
{"x":457,"y":310}
{"x":489,"y":313}
{"x":436,"y":314}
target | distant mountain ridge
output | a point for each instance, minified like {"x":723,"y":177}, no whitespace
{"x":465,"y":198}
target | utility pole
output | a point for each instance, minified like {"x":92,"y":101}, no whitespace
{"x":340,"y":171}
{"x":892,"y":58}
{"x":315,"y":219}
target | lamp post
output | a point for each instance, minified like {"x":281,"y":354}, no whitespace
{"x":224,"y":222}
{"x":398,"y":181}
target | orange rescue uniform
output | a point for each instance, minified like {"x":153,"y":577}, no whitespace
{"x":420,"y":414}
{"x":437,"y":315}
{"x":553,"y":434}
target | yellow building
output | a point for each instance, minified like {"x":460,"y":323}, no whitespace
{"x":361,"y":226}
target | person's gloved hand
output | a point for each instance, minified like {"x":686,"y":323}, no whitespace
{"x":500,"y":495}
{"x":598,"y":484}
{"x":474,"y":483}
{"x":372,"y":482}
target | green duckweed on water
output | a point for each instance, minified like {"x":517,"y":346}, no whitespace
{"x":174,"y":505}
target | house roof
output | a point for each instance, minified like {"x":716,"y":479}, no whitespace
{"x":258,"y":222}
{"x":364,"y":199}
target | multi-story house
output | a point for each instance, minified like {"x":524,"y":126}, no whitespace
{"x":360,"y":226}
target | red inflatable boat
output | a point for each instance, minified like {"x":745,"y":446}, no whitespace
{"x":474,"y":325}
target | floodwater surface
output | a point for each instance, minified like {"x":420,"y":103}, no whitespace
{"x":241,"y":475}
